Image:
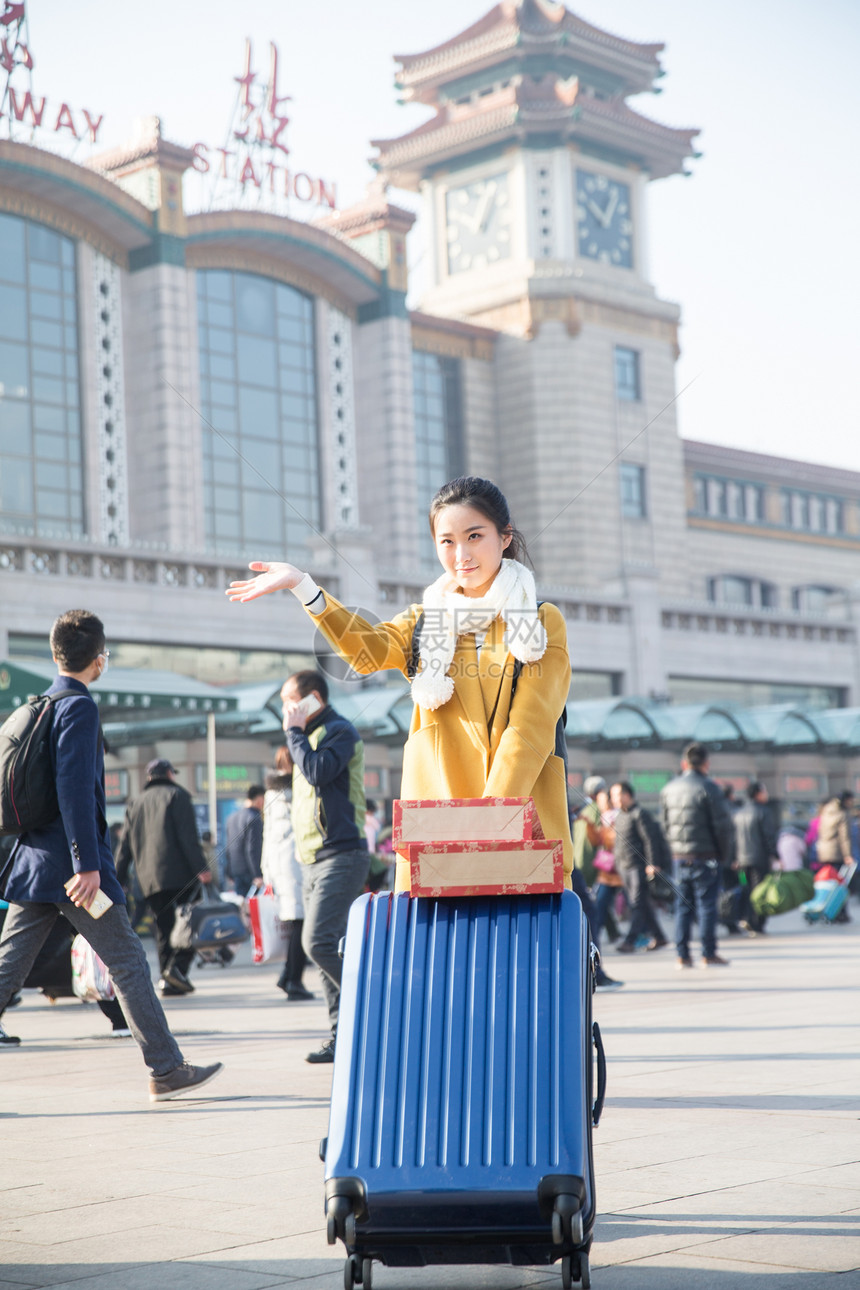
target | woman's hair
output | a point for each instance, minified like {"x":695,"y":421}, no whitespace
{"x":484,"y":496}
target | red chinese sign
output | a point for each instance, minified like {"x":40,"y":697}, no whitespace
{"x":257,"y":156}
{"x":22,"y":105}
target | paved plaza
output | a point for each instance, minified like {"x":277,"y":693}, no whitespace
{"x":728,"y":1155}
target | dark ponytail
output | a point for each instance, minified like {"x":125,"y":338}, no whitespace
{"x":484,"y":496}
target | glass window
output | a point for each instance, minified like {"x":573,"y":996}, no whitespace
{"x":833,"y":515}
{"x":632,"y":490}
{"x":627,"y":374}
{"x":716,"y":497}
{"x":754,"y":503}
{"x":39,"y":394}
{"x":258,"y":350}
{"x":813,"y":599}
{"x":438,"y":432}
{"x":748,"y":694}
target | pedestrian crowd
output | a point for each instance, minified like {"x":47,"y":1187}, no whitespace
{"x":490,"y":672}
{"x":698,"y":860}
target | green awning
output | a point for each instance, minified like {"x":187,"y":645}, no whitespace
{"x":134,"y":693}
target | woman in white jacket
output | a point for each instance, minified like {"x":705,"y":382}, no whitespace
{"x":283,"y":872}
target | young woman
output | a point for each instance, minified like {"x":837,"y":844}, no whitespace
{"x":467,"y":738}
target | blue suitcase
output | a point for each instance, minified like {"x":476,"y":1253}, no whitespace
{"x":462,"y":1096}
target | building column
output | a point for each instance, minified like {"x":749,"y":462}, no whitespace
{"x":648,"y":677}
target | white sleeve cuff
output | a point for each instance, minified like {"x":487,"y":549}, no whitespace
{"x":307,"y":592}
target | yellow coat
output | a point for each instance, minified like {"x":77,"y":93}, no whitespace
{"x":453,"y":751}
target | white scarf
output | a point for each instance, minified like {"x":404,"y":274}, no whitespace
{"x":449,"y":614}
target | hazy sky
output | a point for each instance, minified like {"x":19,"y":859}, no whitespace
{"x":761,"y":246}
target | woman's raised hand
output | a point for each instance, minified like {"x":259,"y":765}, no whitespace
{"x":274,"y":576}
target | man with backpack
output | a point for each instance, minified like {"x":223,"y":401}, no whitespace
{"x":63,"y":862}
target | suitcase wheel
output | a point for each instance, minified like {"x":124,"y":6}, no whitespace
{"x":575,"y":1267}
{"x":357,"y":1272}
{"x":567,"y":1221}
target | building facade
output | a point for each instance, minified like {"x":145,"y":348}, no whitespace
{"x":180,"y":393}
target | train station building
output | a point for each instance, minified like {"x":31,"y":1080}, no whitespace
{"x":182,"y":391}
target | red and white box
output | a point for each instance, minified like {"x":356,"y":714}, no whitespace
{"x":486,"y":868}
{"x":498,"y":819}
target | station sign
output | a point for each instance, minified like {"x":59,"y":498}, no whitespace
{"x":19,"y":103}
{"x":256,"y":160}
{"x":231,"y":780}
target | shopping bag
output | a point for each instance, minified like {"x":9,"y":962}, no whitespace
{"x":90,"y":978}
{"x":269,"y":933}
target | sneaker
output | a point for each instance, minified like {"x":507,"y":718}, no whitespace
{"x":714,"y":960}
{"x":684,"y":962}
{"x":8,"y":1041}
{"x":321,"y":1055}
{"x":184,"y":1079}
{"x":176,"y":977}
{"x":120,"y":1032}
{"x":657,"y":944}
{"x":604,"y":982}
{"x":298,"y":992}
{"x":624,"y":947}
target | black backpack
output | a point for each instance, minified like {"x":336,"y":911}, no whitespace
{"x":28,"y":789}
{"x":561,"y":724}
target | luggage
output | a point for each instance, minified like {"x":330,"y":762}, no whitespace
{"x":730,"y":908}
{"x":830,"y":897}
{"x":207,"y":925}
{"x":780,"y":892}
{"x":52,"y":971}
{"x":463,"y":1086}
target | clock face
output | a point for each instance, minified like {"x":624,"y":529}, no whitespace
{"x":604,"y":221}
{"x":478,"y":220}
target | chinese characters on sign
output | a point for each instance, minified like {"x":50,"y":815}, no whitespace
{"x":256,"y":155}
{"x":20,"y":104}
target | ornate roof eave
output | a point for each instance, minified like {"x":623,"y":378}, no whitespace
{"x":659,"y":149}
{"x":367,"y":216}
{"x":147,"y":147}
{"x":527,"y":29}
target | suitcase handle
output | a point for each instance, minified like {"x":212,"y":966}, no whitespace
{"x":597,"y":1110}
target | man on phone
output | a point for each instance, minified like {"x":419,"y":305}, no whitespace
{"x":328,"y":810}
{"x":67,"y":867}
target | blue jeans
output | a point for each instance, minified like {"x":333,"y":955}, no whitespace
{"x":698,"y":884}
{"x":329,"y":888}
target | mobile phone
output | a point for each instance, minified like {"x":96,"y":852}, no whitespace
{"x":100,"y":902}
{"x":309,"y":705}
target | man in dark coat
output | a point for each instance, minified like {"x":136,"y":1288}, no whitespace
{"x":638,"y":854}
{"x":755,"y":847}
{"x":62,"y":866}
{"x":244,"y":841}
{"x":698,"y":827}
{"x":160,"y":840}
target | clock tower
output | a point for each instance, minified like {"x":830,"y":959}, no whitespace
{"x":534,"y":173}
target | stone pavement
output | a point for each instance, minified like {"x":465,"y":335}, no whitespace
{"x":728,"y":1155}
